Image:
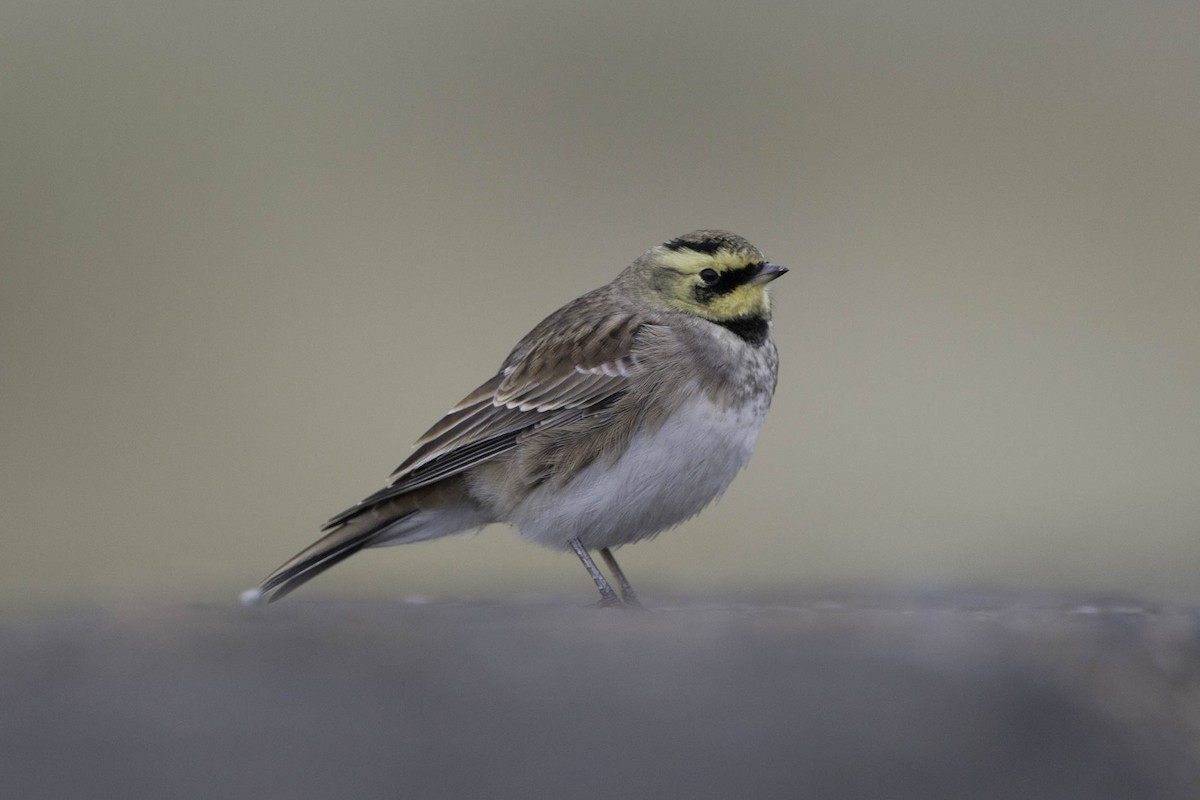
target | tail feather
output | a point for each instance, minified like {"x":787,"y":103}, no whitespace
{"x":332,"y":548}
{"x":428,"y":513}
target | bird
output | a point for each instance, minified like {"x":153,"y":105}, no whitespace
{"x":619,"y":416}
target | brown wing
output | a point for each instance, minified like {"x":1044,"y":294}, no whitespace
{"x":552,"y":377}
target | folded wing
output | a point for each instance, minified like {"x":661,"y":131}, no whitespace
{"x":550,"y":379}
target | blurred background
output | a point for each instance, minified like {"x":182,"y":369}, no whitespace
{"x":251,"y":250}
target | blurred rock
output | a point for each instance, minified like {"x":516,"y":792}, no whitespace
{"x":953,"y":696}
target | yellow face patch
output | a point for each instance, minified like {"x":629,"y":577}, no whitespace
{"x":745,"y":301}
{"x":692,"y":263}
{"x":711,"y":284}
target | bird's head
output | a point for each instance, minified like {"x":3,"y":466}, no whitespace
{"x":712,"y":274}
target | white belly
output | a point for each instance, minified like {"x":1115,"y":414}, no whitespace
{"x":664,"y":478}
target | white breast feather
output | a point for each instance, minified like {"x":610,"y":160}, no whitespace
{"x":663,"y":478}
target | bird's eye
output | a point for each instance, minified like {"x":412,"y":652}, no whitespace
{"x":709,"y":276}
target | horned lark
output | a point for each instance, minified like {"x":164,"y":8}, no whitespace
{"x":622,"y":414}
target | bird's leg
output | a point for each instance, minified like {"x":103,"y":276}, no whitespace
{"x":607,"y":596}
{"x":627,"y":593}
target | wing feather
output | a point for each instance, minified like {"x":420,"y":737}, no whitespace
{"x":552,"y":378}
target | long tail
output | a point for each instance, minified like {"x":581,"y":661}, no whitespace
{"x":436,"y":511}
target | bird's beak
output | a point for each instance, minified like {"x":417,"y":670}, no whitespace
{"x":769,"y":273}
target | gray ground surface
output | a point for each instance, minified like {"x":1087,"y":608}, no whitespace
{"x":963,"y":697}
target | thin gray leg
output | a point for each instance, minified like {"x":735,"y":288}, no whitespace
{"x":607,"y":596}
{"x":627,"y":594}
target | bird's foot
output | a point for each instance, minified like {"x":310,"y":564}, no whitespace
{"x":610,"y":600}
